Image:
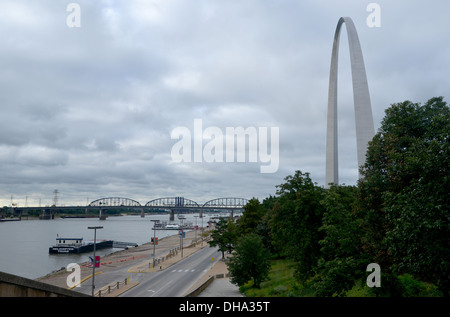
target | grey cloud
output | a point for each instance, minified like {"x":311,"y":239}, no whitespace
{"x":90,"y":110}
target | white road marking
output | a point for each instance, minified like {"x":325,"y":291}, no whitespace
{"x":154,"y":292}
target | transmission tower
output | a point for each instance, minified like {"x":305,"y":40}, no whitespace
{"x":55,"y":197}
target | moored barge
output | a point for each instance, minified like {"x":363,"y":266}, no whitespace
{"x":76,"y":245}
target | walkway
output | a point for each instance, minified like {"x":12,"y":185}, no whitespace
{"x":220,"y":286}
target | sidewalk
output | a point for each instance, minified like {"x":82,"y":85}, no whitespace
{"x":220,"y":285}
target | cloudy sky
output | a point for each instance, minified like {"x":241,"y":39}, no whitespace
{"x":89,"y":110}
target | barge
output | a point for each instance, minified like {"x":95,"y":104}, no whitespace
{"x":76,"y":245}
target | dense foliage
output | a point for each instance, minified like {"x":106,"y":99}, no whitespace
{"x":250,"y":261}
{"x":397,"y":216}
{"x":224,"y":236}
{"x":404,"y":193}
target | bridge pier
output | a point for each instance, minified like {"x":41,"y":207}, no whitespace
{"x":142,"y":213}
{"x":101,"y":216}
{"x":172,"y":215}
{"x":46,"y":214}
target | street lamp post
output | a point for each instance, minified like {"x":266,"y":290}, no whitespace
{"x":195,"y":228}
{"x":154,"y":240}
{"x":201,"y":215}
{"x":180,"y":233}
{"x":93,"y":262}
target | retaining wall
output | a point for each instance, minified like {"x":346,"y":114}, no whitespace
{"x":16,"y":286}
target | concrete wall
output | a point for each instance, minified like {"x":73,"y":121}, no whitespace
{"x":16,"y":286}
{"x":201,"y":288}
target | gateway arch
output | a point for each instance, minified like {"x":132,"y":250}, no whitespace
{"x":361,"y":98}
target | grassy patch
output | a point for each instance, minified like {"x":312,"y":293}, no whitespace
{"x":281,"y":282}
{"x":415,"y":288}
{"x":360,"y":289}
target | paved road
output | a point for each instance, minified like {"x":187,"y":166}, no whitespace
{"x":113,"y":275}
{"x":176,"y":280}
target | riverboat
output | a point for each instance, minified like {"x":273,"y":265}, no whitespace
{"x":78,"y":216}
{"x":172,"y":226}
{"x":9,"y":219}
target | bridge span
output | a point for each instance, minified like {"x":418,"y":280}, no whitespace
{"x":171,"y":205}
{"x":227,"y":203}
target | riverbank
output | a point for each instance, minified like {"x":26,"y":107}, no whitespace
{"x":136,"y":259}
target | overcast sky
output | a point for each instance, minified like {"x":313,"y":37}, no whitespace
{"x":89,"y":110}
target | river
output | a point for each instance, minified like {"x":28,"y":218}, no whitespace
{"x":24,"y":244}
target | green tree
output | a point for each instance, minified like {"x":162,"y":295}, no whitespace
{"x":263,"y":230}
{"x":342,"y":261}
{"x":251,"y":217}
{"x":339,"y":223}
{"x":403,"y":195}
{"x":269,"y":202}
{"x":296,"y":218}
{"x":250,"y":261}
{"x":224,"y":236}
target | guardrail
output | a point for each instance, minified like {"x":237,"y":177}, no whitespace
{"x":110,"y":288}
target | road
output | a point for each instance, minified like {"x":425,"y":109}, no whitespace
{"x":176,"y":280}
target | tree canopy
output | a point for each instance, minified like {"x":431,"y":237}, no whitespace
{"x":404,"y":192}
{"x":250,"y":261}
{"x":397,"y":216}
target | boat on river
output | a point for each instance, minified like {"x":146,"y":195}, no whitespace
{"x":9,"y":219}
{"x":76,"y":245}
{"x":172,"y":226}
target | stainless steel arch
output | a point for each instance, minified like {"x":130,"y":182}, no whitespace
{"x":228,"y":202}
{"x":361,"y":98}
{"x":114,"y":202}
{"x":172,"y":202}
